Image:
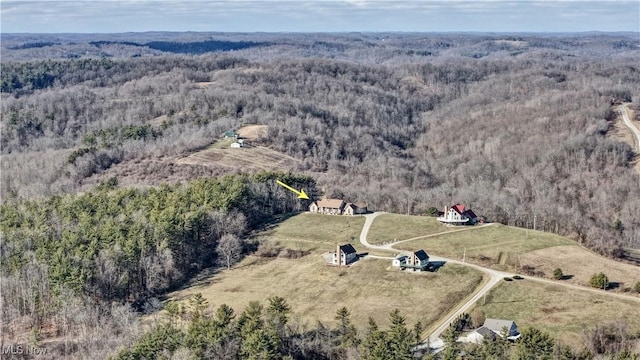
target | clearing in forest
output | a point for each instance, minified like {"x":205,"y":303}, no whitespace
{"x":564,"y":313}
{"x":249,"y":158}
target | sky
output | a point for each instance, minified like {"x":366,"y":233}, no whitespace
{"x":116,"y":16}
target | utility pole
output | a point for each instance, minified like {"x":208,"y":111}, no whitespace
{"x":534,"y":221}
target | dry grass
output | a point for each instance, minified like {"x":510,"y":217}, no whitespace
{"x":580,"y":264}
{"x":390,"y":227}
{"x":248,"y":159}
{"x":315,"y":291}
{"x":253,"y":132}
{"x":315,"y":232}
{"x":563,"y":313}
{"x":498,"y":246}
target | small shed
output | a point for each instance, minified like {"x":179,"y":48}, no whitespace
{"x":236,"y":145}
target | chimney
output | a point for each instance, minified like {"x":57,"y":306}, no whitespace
{"x":445,"y":212}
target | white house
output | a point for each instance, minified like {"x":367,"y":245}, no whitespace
{"x":344,"y":255}
{"x":458,"y":215}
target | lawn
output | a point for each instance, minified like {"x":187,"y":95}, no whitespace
{"x":315,"y":232}
{"x":389,"y":227}
{"x":497,"y":245}
{"x":564,"y":313}
{"x":315,"y":291}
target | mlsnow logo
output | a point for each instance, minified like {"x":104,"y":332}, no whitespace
{"x":22,"y":350}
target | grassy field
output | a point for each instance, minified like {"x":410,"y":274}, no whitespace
{"x":497,"y":245}
{"x":578,"y":264}
{"x":563,"y":313}
{"x":315,"y":232}
{"x":390,"y":227}
{"x":315,"y":291}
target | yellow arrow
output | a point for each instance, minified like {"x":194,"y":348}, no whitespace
{"x":301,"y":194}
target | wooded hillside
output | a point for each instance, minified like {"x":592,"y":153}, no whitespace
{"x":514,"y":126}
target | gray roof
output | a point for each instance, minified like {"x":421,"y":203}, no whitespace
{"x":347,"y":249}
{"x":486,"y":332}
{"x":496,"y":325}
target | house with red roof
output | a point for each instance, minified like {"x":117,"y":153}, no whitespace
{"x":458,"y":215}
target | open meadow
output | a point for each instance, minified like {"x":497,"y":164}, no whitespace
{"x":579,"y":264}
{"x":497,"y":246}
{"x":564,"y":313}
{"x":392,"y":227}
{"x":316,"y":233}
{"x":315,"y":290}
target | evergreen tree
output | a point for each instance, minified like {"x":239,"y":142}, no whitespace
{"x":399,"y":337}
{"x":534,"y":344}
{"x":347,"y":333}
{"x":375,"y":345}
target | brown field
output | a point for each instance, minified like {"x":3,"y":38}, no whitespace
{"x":253,"y":132}
{"x":316,"y":291}
{"x":564,"y":313}
{"x":579,"y":264}
{"x":248,"y":159}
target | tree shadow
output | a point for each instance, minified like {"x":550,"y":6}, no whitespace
{"x":566,"y":277}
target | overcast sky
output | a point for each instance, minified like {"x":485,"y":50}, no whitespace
{"x":319,"y":16}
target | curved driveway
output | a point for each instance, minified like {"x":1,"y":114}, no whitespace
{"x":494,"y":277}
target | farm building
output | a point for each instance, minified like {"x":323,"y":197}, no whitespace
{"x":236,"y":145}
{"x":337,"y":207}
{"x":344,"y":255}
{"x":458,"y":215}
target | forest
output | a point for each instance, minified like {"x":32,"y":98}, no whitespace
{"x":516,"y":126}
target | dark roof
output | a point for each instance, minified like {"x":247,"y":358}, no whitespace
{"x":347,"y":249}
{"x":470,"y":214}
{"x":421,"y":254}
{"x":486,"y":332}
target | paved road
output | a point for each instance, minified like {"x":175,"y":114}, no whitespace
{"x":495,"y":277}
{"x":622,"y":110}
